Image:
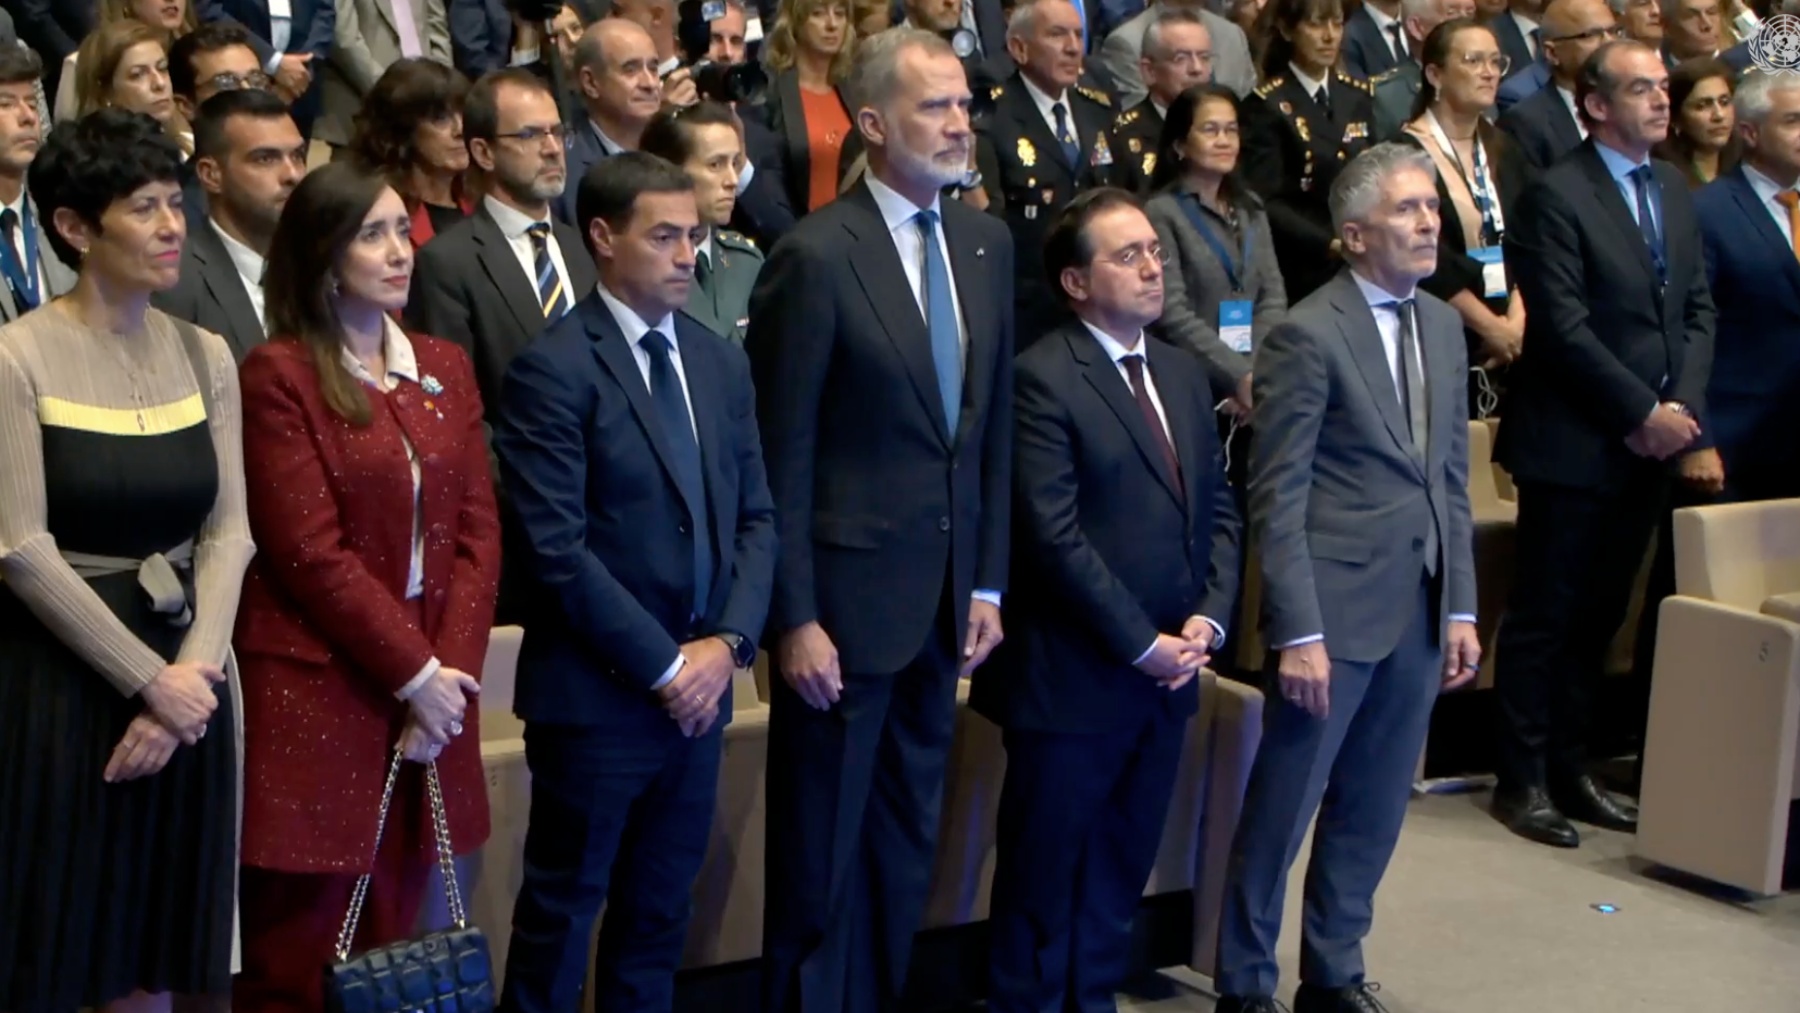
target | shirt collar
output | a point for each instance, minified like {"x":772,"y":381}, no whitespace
{"x":1311,"y":85}
{"x":396,"y":351}
{"x":1111,"y":346}
{"x":634,"y":326}
{"x":705,"y":249}
{"x":513,"y":222}
{"x":608,"y":146}
{"x":1382,"y":19}
{"x":1375,"y":295}
{"x":1765,"y":188}
{"x":895,"y":209}
{"x":1162,"y":111}
{"x":248,"y":262}
{"x":1526,"y":25}
{"x":17,"y":207}
{"x":1617,"y":164}
{"x":1045,"y":103}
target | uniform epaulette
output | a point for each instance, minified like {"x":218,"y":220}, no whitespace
{"x":1355,"y":82}
{"x":737,"y":239}
{"x":1386,"y":75}
{"x":998,"y":90}
{"x":1129,"y":116}
{"x":1095,"y":94}
{"x":1268,"y":87}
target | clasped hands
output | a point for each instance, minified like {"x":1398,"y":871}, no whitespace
{"x":692,"y":697}
{"x":808,"y":660}
{"x":1174,"y":661}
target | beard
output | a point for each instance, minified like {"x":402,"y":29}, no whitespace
{"x":534,"y":189}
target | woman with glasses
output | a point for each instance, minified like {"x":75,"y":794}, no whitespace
{"x":809,"y":53}
{"x":169,"y":19}
{"x":1300,"y":127}
{"x":125,"y":66}
{"x":1702,"y":139}
{"x":410,"y":130}
{"x":1480,"y":176}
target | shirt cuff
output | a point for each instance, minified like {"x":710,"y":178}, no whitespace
{"x":991,"y":597}
{"x":274,"y":64}
{"x":1218,"y":639}
{"x":1462,"y":617}
{"x":668,"y":675}
{"x":524,"y":57}
{"x":745,"y":176}
{"x":431,"y":668}
{"x":1147,"y":652}
{"x":1302,"y":642}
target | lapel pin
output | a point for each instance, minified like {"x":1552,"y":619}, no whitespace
{"x":430,"y":384}
{"x":980,"y":251}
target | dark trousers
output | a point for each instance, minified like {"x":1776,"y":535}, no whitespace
{"x":1576,"y":558}
{"x":620,"y":818}
{"x":854,"y":794}
{"x":1081,"y":819}
{"x":1354,"y":768}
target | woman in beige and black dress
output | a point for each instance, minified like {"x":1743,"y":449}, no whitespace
{"x":123,"y":543}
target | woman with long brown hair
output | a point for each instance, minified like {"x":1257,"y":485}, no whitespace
{"x":170,"y":19}
{"x":1703,"y":140}
{"x":809,"y":53}
{"x":125,"y":65}
{"x":410,"y":130}
{"x":367,"y":611}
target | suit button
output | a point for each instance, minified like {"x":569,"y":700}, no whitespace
{"x":943,"y":524}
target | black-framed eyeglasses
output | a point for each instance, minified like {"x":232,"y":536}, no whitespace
{"x":537,"y":135}
{"x":229,"y":81}
{"x":1608,"y":32}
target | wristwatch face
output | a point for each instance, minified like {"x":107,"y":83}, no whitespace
{"x":742,"y":651}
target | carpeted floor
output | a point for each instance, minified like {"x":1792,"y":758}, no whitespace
{"x":1473,"y":920}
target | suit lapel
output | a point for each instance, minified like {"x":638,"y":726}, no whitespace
{"x":1562,"y":122}
{"x":703,"y":384}
{"x":1763,"y":226}
{"x":616,"y":355}
{"x":878,"y":269}
{"x":1357,"y":321}
{"x":226,"y":286}
{"x":1103,"y":375}
{"x":1613,"y":202}
{"x":793,"y":128}
{"x":1183,"y":419}
{"x":502,"y":266}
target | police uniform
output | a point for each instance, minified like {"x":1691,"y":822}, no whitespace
{"x":1027,"y":178}
{"x":720,"y":294}
{"x":1292,"y":151}
{"x":1135,"y":136}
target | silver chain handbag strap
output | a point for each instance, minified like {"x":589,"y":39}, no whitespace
{"x":440,"y":825}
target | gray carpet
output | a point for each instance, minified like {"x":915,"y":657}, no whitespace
{"x":1474,"y":920}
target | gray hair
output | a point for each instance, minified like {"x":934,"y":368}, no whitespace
{"x":875,"y":75}
{"x":1023,"y":19}
{"x":1357,"y":188}
{"x":1424,"y":10}
{"x":1755,"y":97}
{"x":1153,"y":47}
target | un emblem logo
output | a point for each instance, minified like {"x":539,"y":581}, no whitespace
{"x":1776,"y":47}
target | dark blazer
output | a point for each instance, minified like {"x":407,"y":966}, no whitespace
{"x":764,"y":211}
{"x":1544,"y":127}
{"x":1605,"y":340}
{"x":785,"y":116}
{"x":1513,"y":44}
{"x":211,"y":293}
{"x":880,"y":509}
{"x":1365,"y":52}
{"x":1738,"y":57}
{"x":1522,"y":84}
{"x":1106,"y":555}
{"x":313,"y":30}
{"x":468,"y":288}
{"x":585,"y":148}
{"x":1753,"y":396}
{"x":55,"y":29}
{"x":480,"y":35}
{"x":589,"y":474}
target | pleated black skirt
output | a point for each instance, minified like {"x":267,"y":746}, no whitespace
{"x":106,"y":889}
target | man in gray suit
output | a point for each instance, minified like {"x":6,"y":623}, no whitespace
{"x":1358,"y":491}
{"x":248,"y":158}
{"x":32,"y":274}
{"x":1396,"y":90}
{"x":371,"y":35}
{"x":1119,"y":55}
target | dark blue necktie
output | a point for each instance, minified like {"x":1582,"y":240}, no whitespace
{"x":678,"y":429}
{"x":1642,"y":180}
{"x":940,"y":319}
{"x":549,"y":284}
{"x":1071,"y":148}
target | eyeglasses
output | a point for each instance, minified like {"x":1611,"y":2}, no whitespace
{"x":537,"y":135}
{"x":229,"y":81}
{"x":1609,"y":32}
{"x":1496,"y":62}
{"x":1135,"y":257}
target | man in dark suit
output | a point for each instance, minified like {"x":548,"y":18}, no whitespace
{"x":1606,"y":251}
{"x":33,"y":275}
{"x":1045,"y":141}
{"x":1545,"y":124}
{"x":1519,"y":30}
{"x":1374,"y":39}
{"x":1359,"y":498}
{"x":248,"y":157}
{"x":292,"y":38}
{"x":1126,"y":549}
{"x":1396,"y":90}
{"x":628,"y":445}
{"x":881,"y":338}
{"x":615,"y":72}
{"x":54,"y":29}
{"x":1177,"y":56}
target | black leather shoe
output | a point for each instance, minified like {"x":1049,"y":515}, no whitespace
{"x":1583,"y":799}
{"x":1529,"y":813}
{"x":1248,"y":1004}
{"x":1354,"y":999}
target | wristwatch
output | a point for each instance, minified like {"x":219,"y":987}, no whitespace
{"x":971,"y":181}
{"x":743,"y":651}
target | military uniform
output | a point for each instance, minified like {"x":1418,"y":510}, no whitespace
{"x":1395,"y":92}
{"x":1027,"y":178}
{"x":720,"y":294}
{"x":1292,"y":150}
{"x":1135,"y":137}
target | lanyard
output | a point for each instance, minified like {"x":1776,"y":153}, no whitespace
{"x":1191,"y":205}
{"x":24,"y":282}
{"x":1493,"y":220}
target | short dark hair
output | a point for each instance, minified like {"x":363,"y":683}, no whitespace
{"x":611,"y":188}
{"x":1286,"y":15}
{"x":216,"y":113}
{"x":1179,"y":123}
{"x":670,"y":133}
{"x":411,"y":92}
{"x":20,"y":65}
{"x":86,"y":164}
{"x":1067,"y":244}
{"x":209,"y":37}
{"x":481,"y":109}
{"x":1597,"y":78}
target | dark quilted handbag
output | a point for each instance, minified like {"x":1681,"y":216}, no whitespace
{"x":444,"y":972}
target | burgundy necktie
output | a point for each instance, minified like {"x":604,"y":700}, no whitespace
{"x":1134,"y":368}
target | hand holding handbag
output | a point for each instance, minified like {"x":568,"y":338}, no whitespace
{"x":442,"y":972}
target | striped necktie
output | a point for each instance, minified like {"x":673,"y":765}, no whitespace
{"x":549,"y":282}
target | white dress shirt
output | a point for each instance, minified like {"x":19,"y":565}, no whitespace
{"x":250,"y":266}
{"x":281,"y":32}
{"x":1568,"y":98}
{"x":1118,"y":353}
{"x":1386,"y":23}
{"x":1046,"y":107}
{"x":1766,"y":191}
{"x":1621,"y":169}
{"x":516,"y":225}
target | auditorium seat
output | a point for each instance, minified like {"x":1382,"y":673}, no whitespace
{"x":1234,"y":719}
{"x":1723,"y":737}
{"x":499,"y":679}
{"x":1496,"y":520}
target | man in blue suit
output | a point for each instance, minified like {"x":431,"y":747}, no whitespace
{"x":628,"y":444}
{"x":1126,"y":548}
{"x":292,"y":38}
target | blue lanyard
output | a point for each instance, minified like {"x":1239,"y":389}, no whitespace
{"x":1191,"y":205}
{"x":24,"y":282}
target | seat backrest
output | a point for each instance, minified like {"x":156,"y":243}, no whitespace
{"x":1484,"y":490}
{"x":1738,"y":554}
{"x":499,"y":679}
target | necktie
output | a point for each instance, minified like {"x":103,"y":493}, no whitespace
{"x":9,"y":233}
{"x":549,"y":284}
{"x":1134,"y":368}
{"x":1642,"y":180}
{"x":672,"y":414}
{"x":1071,"y":148}
{"x":1323,"y":98}
{"x":940,"y":320}
{"x":1536,"y":43}
{"x":1787,"y":198}
{"x":406,"y":25}
{"x":703,"y":270}
{"x":1399,"y":42}
{"x":1414,"y":401}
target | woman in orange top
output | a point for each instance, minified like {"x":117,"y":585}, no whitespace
{"x":810,"y":52}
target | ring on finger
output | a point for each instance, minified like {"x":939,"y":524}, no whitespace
{"x":456,"y":728}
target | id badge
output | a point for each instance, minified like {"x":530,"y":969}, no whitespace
{"x":1234,"y":325}
{"x":1493,"y":271}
